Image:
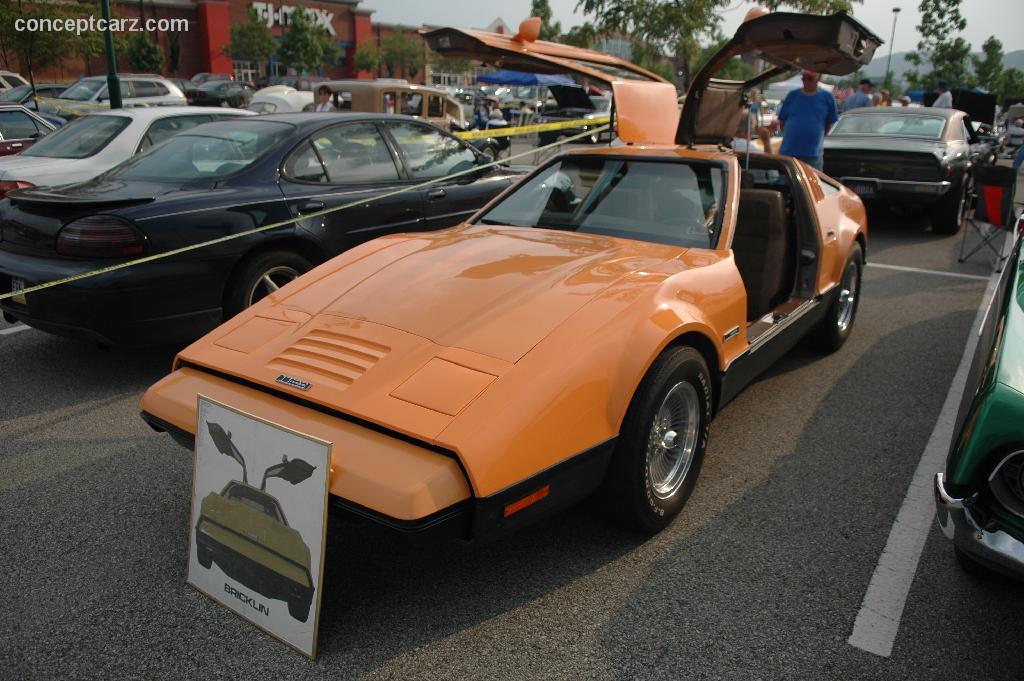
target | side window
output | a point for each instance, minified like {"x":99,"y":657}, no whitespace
{"x":305,"y":165}
{"x":435,"y":107}
{"x":168,"y":127}
{"x":161,"y":89}
{"x":389,"y":102}
{"x":412,"y":103}
{"x":17,"y":125}
{"x":145,"y":88}
{"x":429,"y":152}
{"x":355,"y":153}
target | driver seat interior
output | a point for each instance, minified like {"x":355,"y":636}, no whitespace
{"x":761,"y":246}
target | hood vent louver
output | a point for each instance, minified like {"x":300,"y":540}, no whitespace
{"x":337,"y":357}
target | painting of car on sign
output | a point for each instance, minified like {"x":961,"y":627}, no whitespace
{"x":246,"y":554}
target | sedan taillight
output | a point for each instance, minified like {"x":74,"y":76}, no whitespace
{"x":100,"y":236}
{"x":11,"y":185}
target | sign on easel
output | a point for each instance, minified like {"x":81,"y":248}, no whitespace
{"x":259,"y":519}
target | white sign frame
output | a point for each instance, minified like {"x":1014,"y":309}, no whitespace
{"x":228,"y":496}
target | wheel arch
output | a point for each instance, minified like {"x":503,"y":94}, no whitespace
{"x":304,"y":247}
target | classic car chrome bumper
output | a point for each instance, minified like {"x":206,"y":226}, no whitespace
{"x":996,"y":548}
{"x":870,"y":187}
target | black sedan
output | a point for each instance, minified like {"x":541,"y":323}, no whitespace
{"x":219,"y":93}
{"x":219,"y":179}
{"x":909,"y":155}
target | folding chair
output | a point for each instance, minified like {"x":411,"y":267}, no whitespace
{"x":993,"y":214}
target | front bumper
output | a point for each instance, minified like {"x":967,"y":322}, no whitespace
{"x":874,"y":188}
{"x":996,"y":548}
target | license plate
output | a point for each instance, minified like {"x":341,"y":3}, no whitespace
{"x":18,"y":285}
{"x":863,"y":189}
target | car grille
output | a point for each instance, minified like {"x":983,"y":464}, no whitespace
{"x":1007,"y":483}
{"x":336,"y":356}
{"x":841,"y":163}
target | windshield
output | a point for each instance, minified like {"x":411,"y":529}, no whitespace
{"x":15,"y":94}
{"x":678,"y":203}
{"x":80,"y":138}
{"x":901,"y":125}
{"x":207,"y":152}
{"x":83,"y":90}
{"x":259,"y":501}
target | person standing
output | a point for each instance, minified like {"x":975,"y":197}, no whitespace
{"x":945,"y":98}
{"x":807,"y":114}
{"x":886,"y":99}
{"x":323,"y":99}
{"x":859,"y":99}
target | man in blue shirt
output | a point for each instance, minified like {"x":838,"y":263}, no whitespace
{"x":807,"y":114}
{"x":859,"y":99}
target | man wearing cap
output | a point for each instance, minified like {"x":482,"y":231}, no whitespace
{"x":859,"y":99}
{"x":945,"y":98}
{"x":806,"y":115}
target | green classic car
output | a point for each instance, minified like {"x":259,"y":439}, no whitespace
{"x":980,"y":496}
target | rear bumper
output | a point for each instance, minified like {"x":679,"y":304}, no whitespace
{"x":910,"y":190}
{"x":994,"y":548}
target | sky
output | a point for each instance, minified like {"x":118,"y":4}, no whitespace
{"x":1001,"y":18}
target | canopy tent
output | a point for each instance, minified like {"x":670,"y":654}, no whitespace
{"x":781,"y":89}
{"x":505,"y":77}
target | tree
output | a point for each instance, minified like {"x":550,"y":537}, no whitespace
{"x":367,"y":57}
{"x":584,"y":35}
{"x":548,"y":30}
{"x":812,"y":6}
{"x":399,"y":52}
{"x":988,"y":68}
{"x":306,"y":45}
{"x":450,"y":64}
{"x":945,"y":55}
{"x":35,"y":49}
{"x":1011,"y":84}
{"x":251,"y":39}
{"x":144,"y":54}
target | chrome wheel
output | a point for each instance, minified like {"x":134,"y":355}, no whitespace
{"x":269,"y":281}
{"x":673,"y":439}
{"x":847,"y":297}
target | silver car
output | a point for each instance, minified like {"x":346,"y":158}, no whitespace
{"x":90,"y":94}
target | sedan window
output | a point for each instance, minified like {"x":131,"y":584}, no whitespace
{"x":663,"y":202}
{"x":355,"y":153}
{"x":80,"y":138}
{"x":304,"y":165}
{"x":16,"y":94}
{"x":429,"y":152}
{"x":912,"y":125}
{"x":168,"y":127}
{"x":17,"y":125}
{"x":84,"y":90}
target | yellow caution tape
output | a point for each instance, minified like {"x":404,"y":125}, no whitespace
{"x":530,"y":129}
{"x":275,"y":225}
{"x":77,"y":112}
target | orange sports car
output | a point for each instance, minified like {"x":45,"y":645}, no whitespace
{"x":578,"y":334}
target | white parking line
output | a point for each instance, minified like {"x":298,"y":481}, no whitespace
{"x":14,"y":329}
{"x":878,"y":621}
{"x":918,"y":270}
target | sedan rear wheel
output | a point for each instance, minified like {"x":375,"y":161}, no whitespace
{"x":661,"y":445}
{"x":260,"y":276}
{"x":951,"y":211}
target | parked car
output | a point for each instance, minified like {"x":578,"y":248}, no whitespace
{"x":573,"y":103}
{"x":206,"y":76}
{"x":93,"y":144}
{"x":22,"y":94}
{"x":980,"y":494}
{"x":576,"y":335}
{"x":900,"y":154}
{"x":280,"y":99}
{"x":220,"y":93}
{"x":20,"y":128}
{"x":219,"y":179}
{"x":303,"y":83}
{"x":90,"y":94}
{"x":9,"y":79}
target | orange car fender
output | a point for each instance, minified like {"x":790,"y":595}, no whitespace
{"x":570,"y":393}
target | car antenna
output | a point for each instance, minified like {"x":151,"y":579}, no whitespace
{"x":222,"y":440}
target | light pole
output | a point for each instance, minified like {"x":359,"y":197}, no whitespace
{"x":892,"y":39}
{"x":113,"y":85}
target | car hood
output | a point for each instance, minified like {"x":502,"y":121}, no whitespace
{"x":571,"y":97}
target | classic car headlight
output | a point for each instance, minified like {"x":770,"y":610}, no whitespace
{"x":100,"y":236}
{"x":1007,"y":482}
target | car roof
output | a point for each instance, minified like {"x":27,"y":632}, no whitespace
{"x":151,"y":113}
{"x":310,"y":120}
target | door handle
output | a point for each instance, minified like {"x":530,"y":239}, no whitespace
{"x":436,"y":194}
{"x":310,"y":207}
{"x":17,"y":145}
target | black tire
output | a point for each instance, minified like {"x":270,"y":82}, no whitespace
{"x":490,"y":152}
{"x":950,"y":212}
{"x":835,"y":328}
{"x":299,"y":608}
{"x":244,"y":287}
{"x":629,"y":492}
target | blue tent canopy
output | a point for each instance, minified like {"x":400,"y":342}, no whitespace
{"x":522,"y":78}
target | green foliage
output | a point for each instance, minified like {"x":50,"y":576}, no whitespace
{"x":946,"y":56}
{"x":812,"y":6}
{"x":35,"y":49}
{"x":251,"y":40}
{"x":367,"y":57}
{"x":400,"y":52}
{"x":1011,"y":84}
{"x":988,"y":69}
{"x":144,"y":54}
{"x":548,"y":30}
{"x":734,"y":69}
{"x":305,"y":45}
{"x":584,"y":35}
{"x":450,"y":64}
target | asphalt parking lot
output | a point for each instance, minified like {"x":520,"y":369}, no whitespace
{"x":761,"y":577}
